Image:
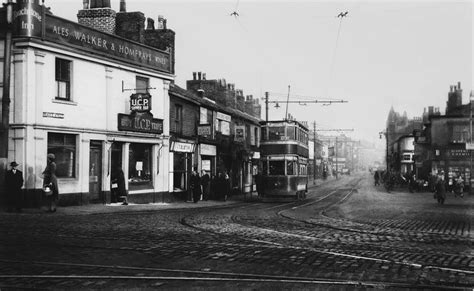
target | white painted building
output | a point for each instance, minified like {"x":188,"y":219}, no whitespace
{"x":71,"y":90}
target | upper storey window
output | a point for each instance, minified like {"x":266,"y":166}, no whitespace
{"x":63,"y":79}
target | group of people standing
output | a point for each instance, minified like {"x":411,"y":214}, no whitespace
{"x":14,"y":183}
{"x":217,"y":187}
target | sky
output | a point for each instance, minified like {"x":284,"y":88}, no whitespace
{"x":404,"y":54}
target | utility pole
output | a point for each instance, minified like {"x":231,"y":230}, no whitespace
{"x":266,"y":107}
{"x":314,"y":153}
{"x":335,"y":149}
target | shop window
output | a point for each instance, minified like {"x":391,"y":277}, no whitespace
{"x":140,"y":167}
{"x":142,"y":85}
{"x":276,"y":133}
{"x":276,"y":168}
{"x":63,"y":79}
{"x":63,"y":146}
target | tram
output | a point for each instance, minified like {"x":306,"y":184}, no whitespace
{"x":284,"y":161}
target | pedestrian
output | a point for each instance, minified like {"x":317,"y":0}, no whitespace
{"x":51,"y":181}
{"x":13,"y":183}
{"x":118,"y":185}
{"x":459,"y":187}
{"x":376,"y":178}
{"x":195,"y":186}
{"x":440,"y":193}
{"x":226,"y":186}
{"x":205,"y":183}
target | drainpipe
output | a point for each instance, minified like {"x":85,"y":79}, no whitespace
{"x":4,"y":128}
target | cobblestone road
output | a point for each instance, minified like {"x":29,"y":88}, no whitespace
{"x":347,"y":234}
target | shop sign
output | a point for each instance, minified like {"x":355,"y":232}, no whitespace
{"x":207,"y":150}
{"x":239,"y":133}
{"x":53,"y":115}
{"x":223,"y":116}
{"x":256,"y":155}
{"x":469,"y":146}
{"x":458,"y":153}
{"x":206,"y":165}
{"x":140,"y":122}
{"x":182,"y":147}
{"x":204,"y":130}
{"x":140,"y":102}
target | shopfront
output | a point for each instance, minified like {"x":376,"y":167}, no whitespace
{"x":182,"y":155}
{"x":207,"y":155}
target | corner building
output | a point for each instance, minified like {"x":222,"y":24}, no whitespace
{"x":93,"y":98}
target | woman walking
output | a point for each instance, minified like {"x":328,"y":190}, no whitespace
{"x":50,"y":180}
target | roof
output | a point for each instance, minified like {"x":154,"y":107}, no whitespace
{"x":190,"y":96}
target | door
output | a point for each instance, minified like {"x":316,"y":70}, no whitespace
{"x":95,"y":171}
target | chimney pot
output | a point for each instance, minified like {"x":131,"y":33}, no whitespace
{"x":85,"y":4}
{"x":204,"y":76}
{"x":200,"y":93}
{"x":194,"y":76}
{"x":199,"y":75}
{"x":459,"y":85}
{"x":123,"y":6}
{"x":150,"y":24}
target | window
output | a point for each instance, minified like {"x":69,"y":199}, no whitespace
{"x":264,"y":133}
{"x":460,"y":133}
{"x":140,"y":167}
{"x":63,"y":79}
{"x":291,"y":168}
{"x":178,"y":119}
{"x":276,"y":133}
{"x":276,"y":168}
{"x":142,"y":85}
{"x":205,"y":116}
{"x":63,"y":146}
{"x":290,"y":132}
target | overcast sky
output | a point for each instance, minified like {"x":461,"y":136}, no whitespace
{"x":404,"y":54}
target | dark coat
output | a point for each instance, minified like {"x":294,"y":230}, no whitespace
{"x":13,"y":184}
{"x":119,"y":178}
{"x":441,"y":189}
{"x":196,"y":184}
{"x":49,"y":177}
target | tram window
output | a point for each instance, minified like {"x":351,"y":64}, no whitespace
{"x":263,"y":135}
{"x":291,"y":168}
{"x":276,"y":133}
{"x":277,"y":168}
{"x":290,"y":132}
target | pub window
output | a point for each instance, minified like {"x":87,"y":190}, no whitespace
{"x":63,"y":146}
{"x":63,"y":79}
{"x":142,"y":85}
{"x":140,"y":167}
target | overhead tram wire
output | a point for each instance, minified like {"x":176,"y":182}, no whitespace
{"x":341,"y":15}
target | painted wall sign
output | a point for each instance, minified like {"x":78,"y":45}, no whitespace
{"x":140,"y":122}
{"x":140,"y":102}
{"x":27,"y":18}
{"x":223,"y":116}
{"x":53,"y":115}
{"x":29,"y":22}
{"x":239,"y":133}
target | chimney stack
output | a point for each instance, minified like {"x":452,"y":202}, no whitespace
{"x":97,"y":15}
{"x":150,"y":25}
{"x":85,"y":4}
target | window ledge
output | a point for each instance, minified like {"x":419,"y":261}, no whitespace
{"x":66,"y":102}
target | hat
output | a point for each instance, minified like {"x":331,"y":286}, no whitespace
{"x":13,"y":164}
{"x":51,"y":156}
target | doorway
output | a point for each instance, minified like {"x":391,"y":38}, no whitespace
{"x":95,"y":172}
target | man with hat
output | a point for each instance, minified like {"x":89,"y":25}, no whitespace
{"x":14,"y":182}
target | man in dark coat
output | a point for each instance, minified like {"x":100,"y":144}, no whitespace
{"x":205,"y":182}
{"x":441,"y":189}
{"x":196,"y":186}
{"x":13,"y":184}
